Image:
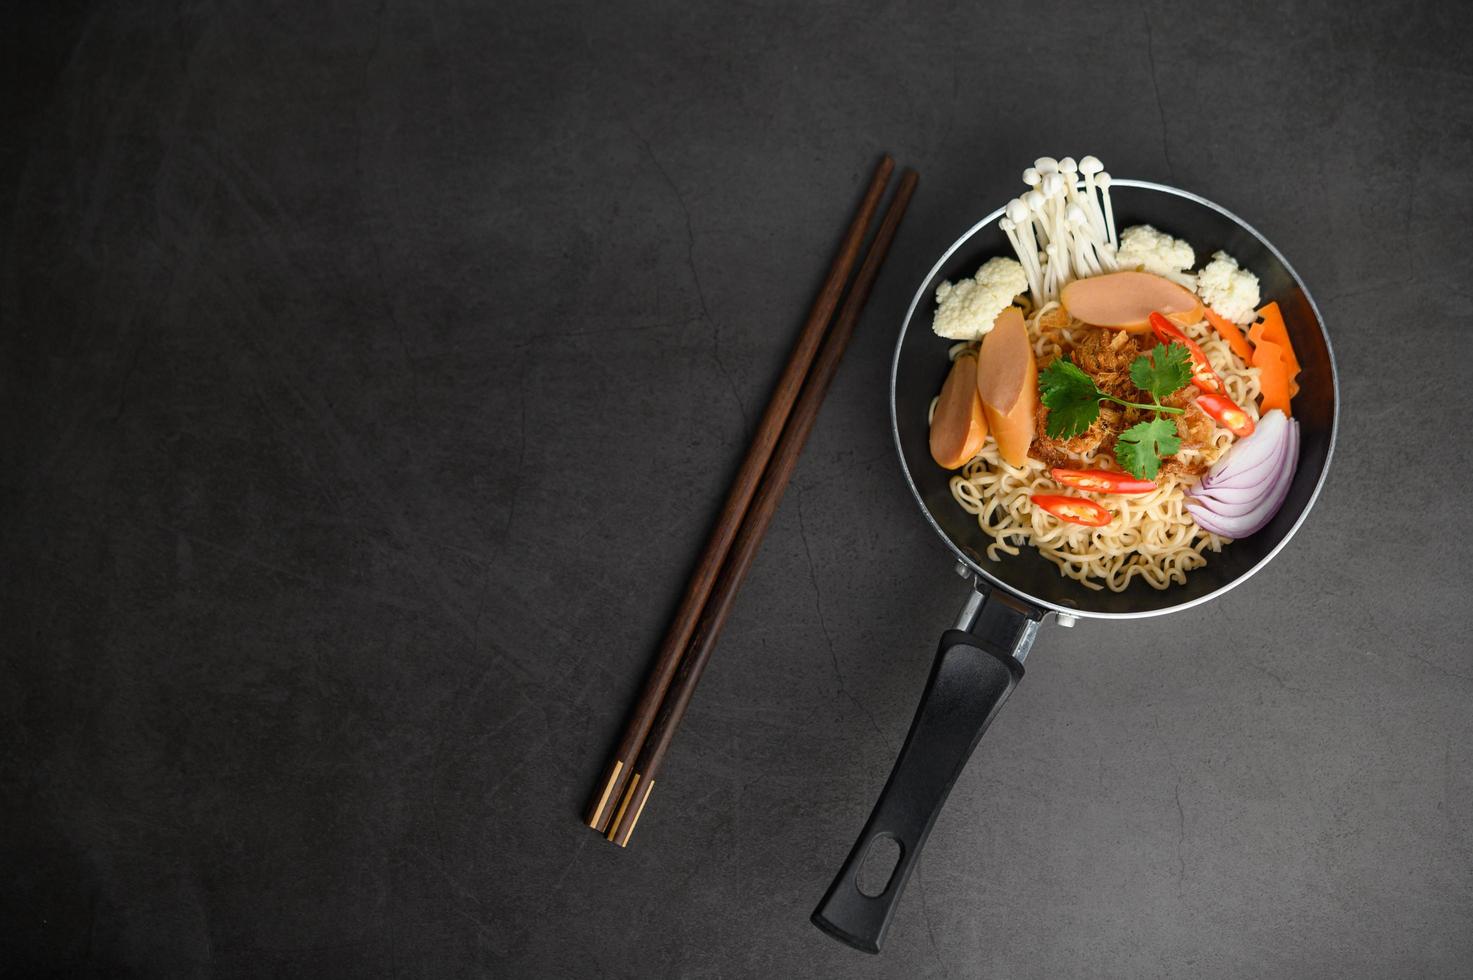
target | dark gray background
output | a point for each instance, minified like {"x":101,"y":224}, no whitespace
{"x":370,"y":376}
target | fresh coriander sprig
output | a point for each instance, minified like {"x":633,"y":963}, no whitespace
{"x":1140,"y":448}
{"x":1162,"y":370}
{"x":1073,"y":400}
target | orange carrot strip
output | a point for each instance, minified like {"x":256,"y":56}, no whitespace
{"x":1230,"y":332}
{"x":1273,"y":377}
{"x":1271,"y":328}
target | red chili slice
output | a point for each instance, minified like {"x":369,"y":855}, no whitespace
{"x":1203,"y":376}
{"x":1226,"y":411}
{"x":1102,"y":481}
{"x":1075,"y":510}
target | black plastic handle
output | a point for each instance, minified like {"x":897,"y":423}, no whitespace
{"x":972,"y":676}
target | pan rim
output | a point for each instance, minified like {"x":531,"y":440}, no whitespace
{"x":962,"y":556}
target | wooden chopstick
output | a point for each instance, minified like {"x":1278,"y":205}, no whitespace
{"x":759,"y":516}
{"x":708,"y":565}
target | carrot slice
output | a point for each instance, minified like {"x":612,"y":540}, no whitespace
{"x":1270,"y":327}
{"x":1229,"y":331}
{"x":1273,"y":377}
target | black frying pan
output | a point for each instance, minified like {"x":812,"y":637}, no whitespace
{"x":981,"y":659}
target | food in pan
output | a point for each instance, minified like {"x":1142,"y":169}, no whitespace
{"x":1110,"y":403}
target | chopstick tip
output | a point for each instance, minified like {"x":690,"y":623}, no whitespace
{"x":597,"y":817}
{"x":638,"y":794}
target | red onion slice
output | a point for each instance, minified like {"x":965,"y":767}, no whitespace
{"x":1240,"y":524}
{"x":1235,"y":499}
{"x":1250,"y":460}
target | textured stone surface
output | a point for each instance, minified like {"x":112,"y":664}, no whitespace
{"x":370,"y":375}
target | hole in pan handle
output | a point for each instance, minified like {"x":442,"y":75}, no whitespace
{"x":975,"y":670}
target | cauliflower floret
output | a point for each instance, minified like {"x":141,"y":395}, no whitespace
{"x":1228,"y":289}
{"x":966,"y":310}
{"x":1143,"y":247}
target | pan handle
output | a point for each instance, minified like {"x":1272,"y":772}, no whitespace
{"x":974,"y":672}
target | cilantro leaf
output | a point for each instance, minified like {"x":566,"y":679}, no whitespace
{"x":1071,"y":396}
{"x":1139,"y":448}
{"x":1162,"y":370}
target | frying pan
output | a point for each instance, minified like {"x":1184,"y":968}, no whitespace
{"x":980,"y":660}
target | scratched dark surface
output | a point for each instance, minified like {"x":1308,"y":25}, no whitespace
{"x":370,"y":375}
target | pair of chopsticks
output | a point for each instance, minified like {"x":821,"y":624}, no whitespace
{"x":771,"y":458}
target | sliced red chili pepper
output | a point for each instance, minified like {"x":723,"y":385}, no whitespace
{"x":1102,"y":481}
{"x":1226,"y":411}
{"x":1075,"y":510}
{"x":1203,"y":376}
